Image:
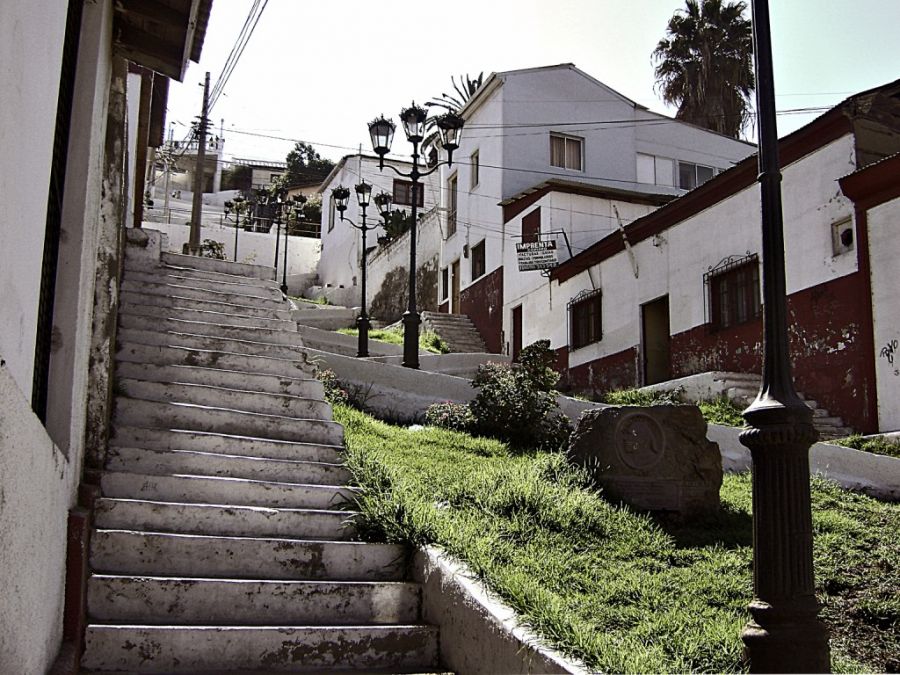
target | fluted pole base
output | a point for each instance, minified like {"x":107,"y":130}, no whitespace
{"x":411,"y":339}
{"x":362,"y":325}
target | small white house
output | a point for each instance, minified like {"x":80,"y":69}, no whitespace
{"x":525,"y":127}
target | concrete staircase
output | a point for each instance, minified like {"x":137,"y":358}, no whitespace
{"x":222,"y":538}
{"x":744,"y":387}
{"x":457,"y":330}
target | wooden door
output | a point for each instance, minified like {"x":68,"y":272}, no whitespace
{"x":656,"y":339}
{"x":454,"y":288}
{"x":516,"y":332}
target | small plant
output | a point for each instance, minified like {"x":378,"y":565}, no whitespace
{"x":722,"y":410}
{"x":335,"y":393}
{"x":642,"y":397}
{"x":877,"y":445}
{"x":450,"y":415}
{"x":433,"y":342}
{"x":212,"y":249}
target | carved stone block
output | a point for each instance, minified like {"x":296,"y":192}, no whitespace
{"x":654,"y":458}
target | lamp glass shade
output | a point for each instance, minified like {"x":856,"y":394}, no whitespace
{"x":341,"y":196}
{"x":383,"y":202}
{"x":413,"y":121}
{"x":450,"y":126}
{"x":381,"y":131}
{"x":299,"y":199}
{"x":363,"y":193}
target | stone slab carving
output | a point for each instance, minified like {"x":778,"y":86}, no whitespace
{"x":654,"y":458}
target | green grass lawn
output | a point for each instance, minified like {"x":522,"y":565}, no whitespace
{"x":603,"y":583}
{"x":428,"y":341}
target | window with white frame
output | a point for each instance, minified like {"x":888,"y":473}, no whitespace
{"x":566,"y":152}
{"x":693,"y":175}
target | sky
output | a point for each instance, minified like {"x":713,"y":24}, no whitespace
{"x":320,"y":71}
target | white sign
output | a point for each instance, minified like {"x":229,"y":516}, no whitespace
{"x":537,"y":255}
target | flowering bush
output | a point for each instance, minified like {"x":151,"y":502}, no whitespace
{"x":449,"y":415}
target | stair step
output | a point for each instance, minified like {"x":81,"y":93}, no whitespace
{"x":281,"y":336}
{"x":194,"y":649}
{"x":223,"y":520}
{"x":163,"y":312}
{"x":166,"y":462}
{"x":186,"y":600}
{"x":226,"y":444}
{"x":134,"y":412}
{"x":217,"y":377}
{"x":196,"y":292}
{"x":165,"y":268}
{"x":221,"y":283}
{"x":222,"y":397}
{"x":176,"y":301}
{"x":174,"y":355}
{"x":190,"y":555}
{"x":189,"y":488}
{"x":223,"y":266}
{"x":221,"y":344}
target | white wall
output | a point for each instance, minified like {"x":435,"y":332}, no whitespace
{"x":341,"y":243}
{"x":884,"y":252}
{"x":31,"y":39}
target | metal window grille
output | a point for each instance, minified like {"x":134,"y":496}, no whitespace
{"x":585,"y":318}
{"x":732,"y":291}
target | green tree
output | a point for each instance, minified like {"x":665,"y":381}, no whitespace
{"x":304,"y":163}
{"x":704,"y":65}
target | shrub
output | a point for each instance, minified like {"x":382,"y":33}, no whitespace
{"x":334,"y":389}
{"x":517,"y":404}
{"x":212,"y":249}
{"x":449,"y":415}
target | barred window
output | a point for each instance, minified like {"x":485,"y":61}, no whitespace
{"x":586,"y":325}
{"x":733,"y":292}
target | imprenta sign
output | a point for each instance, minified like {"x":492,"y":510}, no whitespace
{"x":537,"y":255}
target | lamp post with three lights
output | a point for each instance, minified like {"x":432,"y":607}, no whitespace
{"x":381,"y":131}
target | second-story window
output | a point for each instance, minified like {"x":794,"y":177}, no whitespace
{"x":478,"y":261}
{"x":693,"y":175}
{"x":474,"y":164}
{"x":451,"y":205}
{"x":566,"y":152}
{"x":403,"y":194}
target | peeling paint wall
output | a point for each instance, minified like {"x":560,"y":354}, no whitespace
{"x":483,"y":303}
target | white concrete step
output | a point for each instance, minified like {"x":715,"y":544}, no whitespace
{"x":284,"y":335}
{"x":223,"y":520}
{"x":198,"y":293}
{"x":176,"y":301}
{"x":221,"y":266}
{"x":164,"y":268}
{"x":190,"y":489}
{"x":252,"y":602}
{"x":166,"y":462}
{"x":136,"y":412}
{"x":297,"y":366}
{"x":137,"y":308}
{"x":221,"y":397}
{"x":223,"y":282}
{"x":217,"y":377}
{"x":188,"y":555}
{"x":229,"y":345}
{"x":223,"y":443}
{"x":198,"y":649}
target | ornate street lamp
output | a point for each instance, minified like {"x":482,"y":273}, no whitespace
{"x":341,"y":197}
{"x":278,"y":200}
{"x":381,"y":131}
{"x":784,"y":634}
{"x":295,"y":215}
{"x":240,"y":207}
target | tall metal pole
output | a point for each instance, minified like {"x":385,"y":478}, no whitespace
{"x":284,"y":286}
{"x":277,"y":235}
{"x":362,"y":321}
{"x":784,"y":634}
{"x":411,"y":316}
{"x":199,"y":174}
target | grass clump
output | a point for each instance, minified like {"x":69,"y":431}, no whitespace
{"x":428,"y":341}
{"x":720,"y":410}
{"x":878,"y":445}
{"x":610,"y":586}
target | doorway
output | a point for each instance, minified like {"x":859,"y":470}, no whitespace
{"x":516,"y":332}
{"x":656,"y":339}
{"x":454,"y":287}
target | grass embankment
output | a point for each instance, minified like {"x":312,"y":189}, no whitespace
{"x":878,"y":445}
{"x":616,"y":588}
{"x":721,"y":410}
{"x":430,"y":342}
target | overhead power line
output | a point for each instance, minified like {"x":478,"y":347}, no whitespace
{"x":237,"y":49}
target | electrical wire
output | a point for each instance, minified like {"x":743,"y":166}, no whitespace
{"x":237,"y":50}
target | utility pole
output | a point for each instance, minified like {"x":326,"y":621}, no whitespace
{"x":199,"y":174}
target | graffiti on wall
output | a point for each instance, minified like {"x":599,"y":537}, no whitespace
{"x":888,"y":352}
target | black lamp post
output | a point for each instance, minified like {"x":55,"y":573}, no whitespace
{"x":294,"y":214}
{"x":381,"y":131}
{"x":277,"y":199}
{"x":240,"y":206}
{"x":383,"y":202}
{"x":784,"y":634}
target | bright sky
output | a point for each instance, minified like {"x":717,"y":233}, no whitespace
{"x":319,"y":71}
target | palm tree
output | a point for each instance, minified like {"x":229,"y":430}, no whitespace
{"x":704,"y":65}
{"x":451,"y":103}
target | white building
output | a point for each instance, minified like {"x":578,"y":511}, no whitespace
{"x":525,"y":127}
{"x":75,"y":124}
{"x":677,"y":291}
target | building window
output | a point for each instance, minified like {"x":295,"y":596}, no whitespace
{"x":478,"y":261}
{"x":733,"y":291}
{"x":474,"y":163}
{"x":445,"y":283}
{"x":331,"y":213}
{"x":451,"y":205}
{"x":566,"y":152}
{"x":403,"y":194}
{"x":693,"y":175}
{"x":531,"y":226}
{"x":585,"y":321}
{"x":842,"y":237}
